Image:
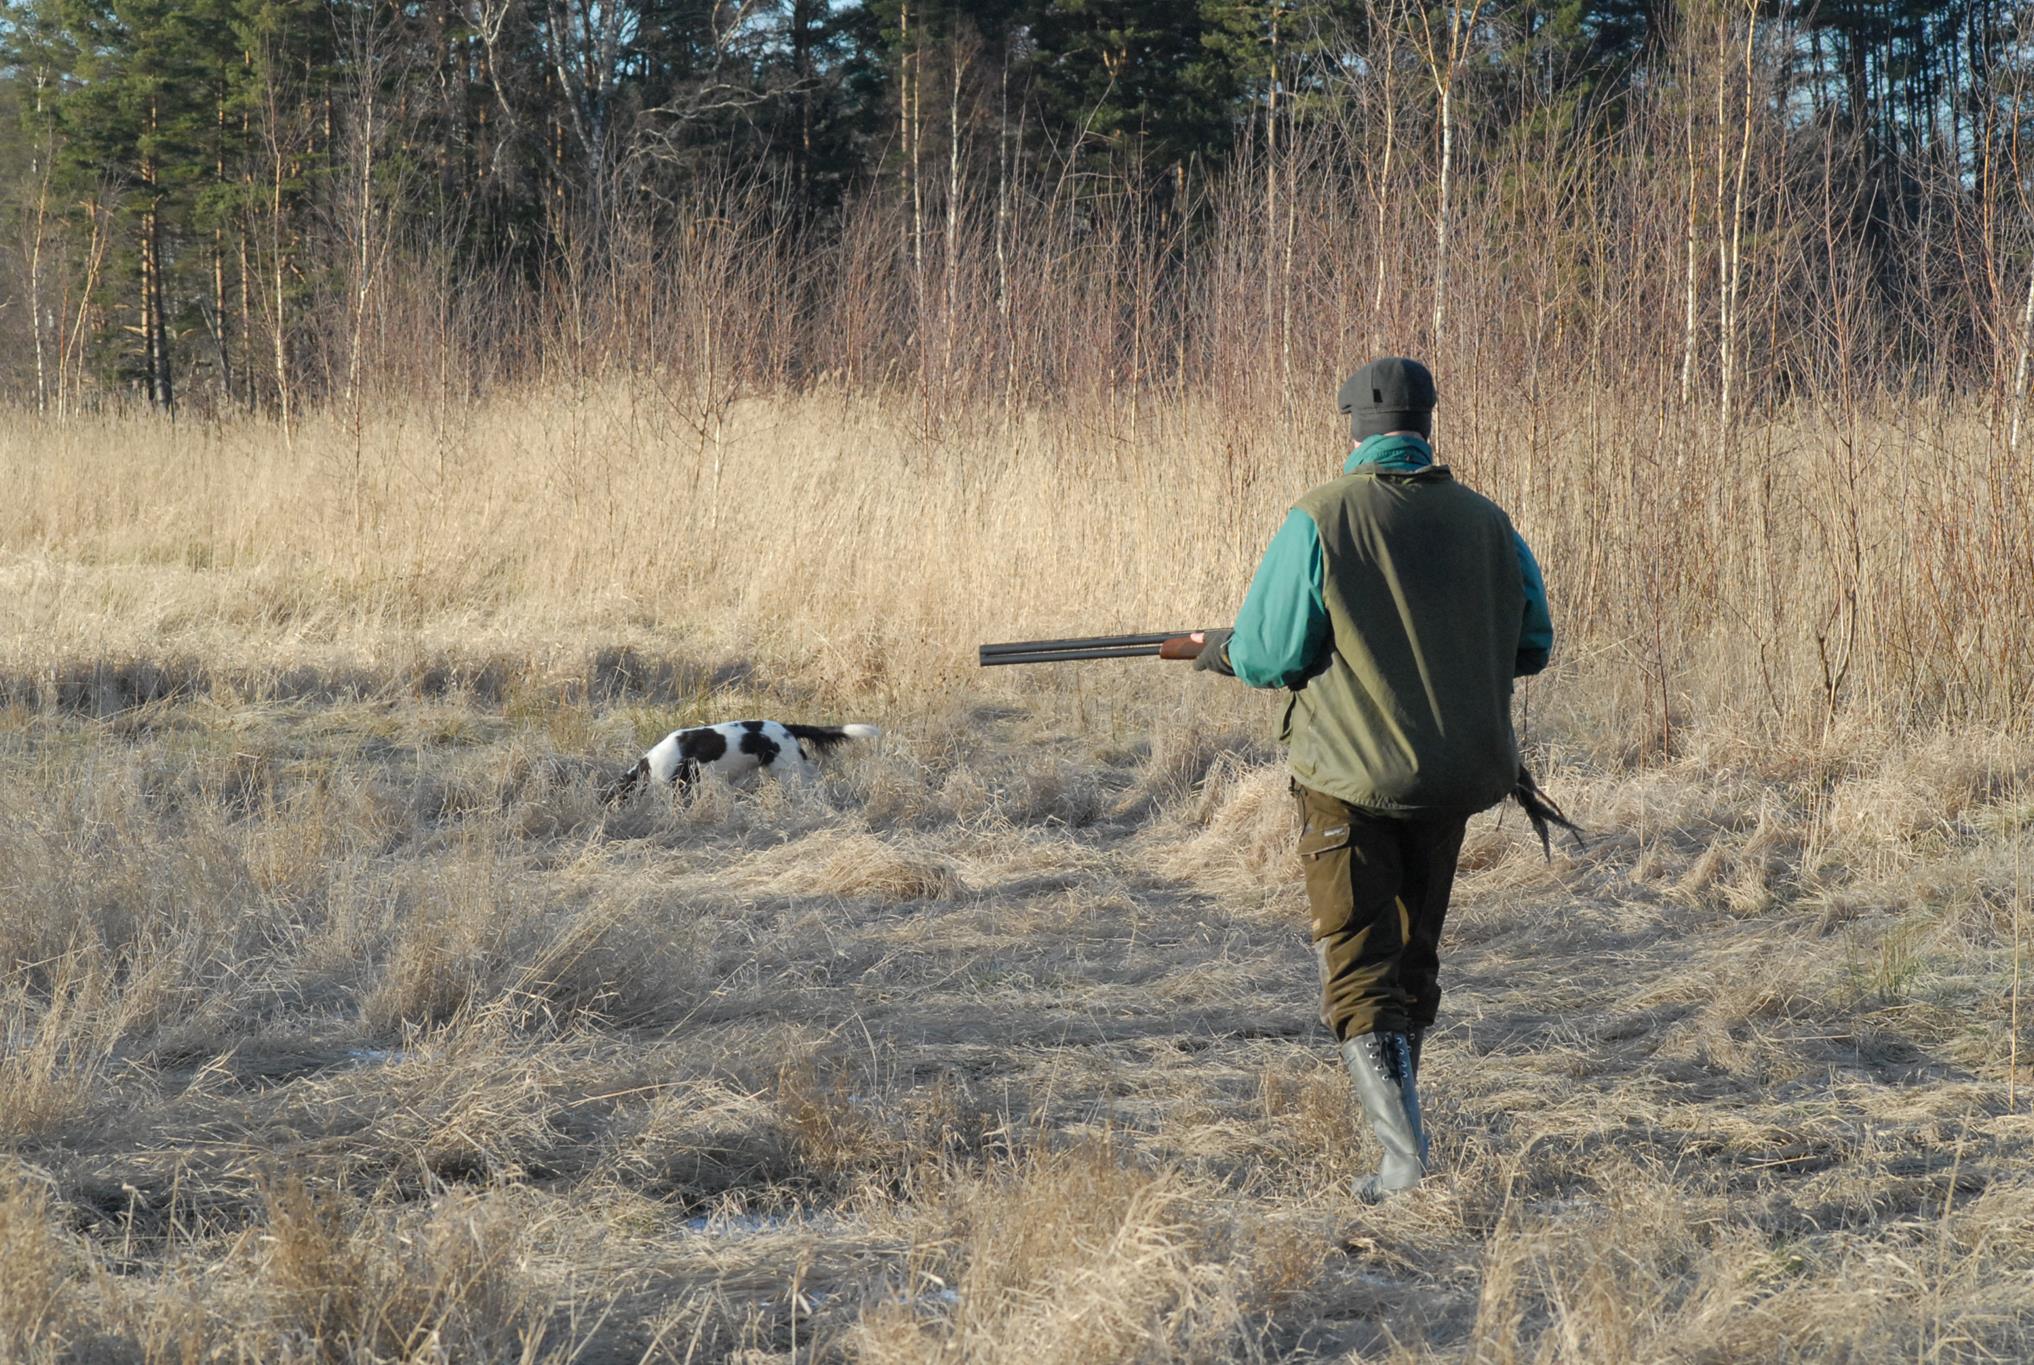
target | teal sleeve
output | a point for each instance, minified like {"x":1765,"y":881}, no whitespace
{"x":1284,"y":622}
{"x":1536,"y":635}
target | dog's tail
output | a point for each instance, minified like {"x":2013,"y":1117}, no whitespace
{"x":824,"y":737}
{"x":1541,"y":810}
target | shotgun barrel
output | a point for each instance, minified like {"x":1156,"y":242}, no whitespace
{"x":1155,"y":645}
{"x":1088,"y":642}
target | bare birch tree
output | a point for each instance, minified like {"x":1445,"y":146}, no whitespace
{"x":1690,"y":287}
{"x":1386,"y":18}
{"x":1730,"y":246}
{"x":41,"y":170}
{"x":2016,"y":168}
{"x":1444,"y":53}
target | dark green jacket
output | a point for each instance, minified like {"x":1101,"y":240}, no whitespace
{"x":1398,"y":605}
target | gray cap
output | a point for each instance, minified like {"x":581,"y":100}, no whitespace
{"x":1389,"y":394}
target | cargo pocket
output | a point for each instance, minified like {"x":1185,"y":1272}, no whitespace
{"x":1317,"y":841}
{"x":1324,"y":855}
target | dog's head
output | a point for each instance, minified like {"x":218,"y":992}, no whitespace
{"x":626,"y":783}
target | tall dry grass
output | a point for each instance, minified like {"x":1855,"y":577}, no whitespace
{"x":1824,"y":572}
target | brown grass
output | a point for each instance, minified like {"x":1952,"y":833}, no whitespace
{"x":831,"y":539}
{"x":343,"y":1022}
{"x":828,"y":1073}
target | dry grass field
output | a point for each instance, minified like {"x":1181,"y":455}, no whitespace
{"x":342,"y":1022}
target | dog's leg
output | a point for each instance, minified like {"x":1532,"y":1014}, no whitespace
{"x":796,"y":767}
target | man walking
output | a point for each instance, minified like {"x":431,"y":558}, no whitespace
{"x":1397,"y":606}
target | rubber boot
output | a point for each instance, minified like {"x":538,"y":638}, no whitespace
{"x":1411,"y":1089}
{"x":1381,"y":1066}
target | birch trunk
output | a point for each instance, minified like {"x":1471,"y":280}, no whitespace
{"x":1377,"y":284}
{"x":1442,"y":68}
{"x":1734,"y":260}
{"x":71,"y":360}
{"x":165,"y":378}
{"x":243,"y":279}
{"x":221,"y":342}
{"x":44,"y":163}
{"x":35,"y":318}
{"x":279,"y":326}
{"x":909,"y":94}
{"x":1691,"y":314}
{"x":1271,"y":200}
{"x":1383,"y":193}
{"x":953,"y":199}
{"x":154,"y":334}
{"x":1009,"y":344}
{"x":2020,"y":366}
{"x":145,"y":303}
{"x":153,"y":294}
{"x":1441,"y":224}
{"x":363,"y":276}
{"x":1003,"y":196}
{"x":1285,"y":328}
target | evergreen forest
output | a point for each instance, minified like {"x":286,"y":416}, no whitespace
{"x":267,"y":205}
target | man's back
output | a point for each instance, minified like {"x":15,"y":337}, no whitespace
{"x":1411,"y":707}
{"x":1397,"y":606}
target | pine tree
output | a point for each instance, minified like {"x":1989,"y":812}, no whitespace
{"x":1147,"y":83}
{"x":130,"y":117}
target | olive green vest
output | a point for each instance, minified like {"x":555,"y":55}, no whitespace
{"x":1411,"y":711}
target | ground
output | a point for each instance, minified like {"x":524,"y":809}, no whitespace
{"x":344,"y":1022}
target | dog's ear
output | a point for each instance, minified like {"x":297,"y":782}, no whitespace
{"x":626,"y":783}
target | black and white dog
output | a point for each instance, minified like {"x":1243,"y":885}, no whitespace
{"x":735,"y":749}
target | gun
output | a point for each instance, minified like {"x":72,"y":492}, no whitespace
{"x":1538,"y":806}
{"x":1161,"y":645}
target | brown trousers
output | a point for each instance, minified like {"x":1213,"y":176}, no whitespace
{"x":1378,"y":887}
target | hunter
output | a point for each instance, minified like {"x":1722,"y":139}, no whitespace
{"x":1397,"y":606}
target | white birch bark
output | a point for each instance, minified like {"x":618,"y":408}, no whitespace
{"x":1273,"y":285}
{"x":953,"y":198}
{"x":71,"y":357}
{"x":1441,"y":221}
{"x":1443,"y":69}
{"x":1689,"y":291}
{"x":910,"y":95}
{"x":1734,"y":258}
{"x":1384,"y":190}
{"x":364,"y":239}
{"x":35,"y":309}
{"x":2020,"y":367}
{"x":279,"y":328}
